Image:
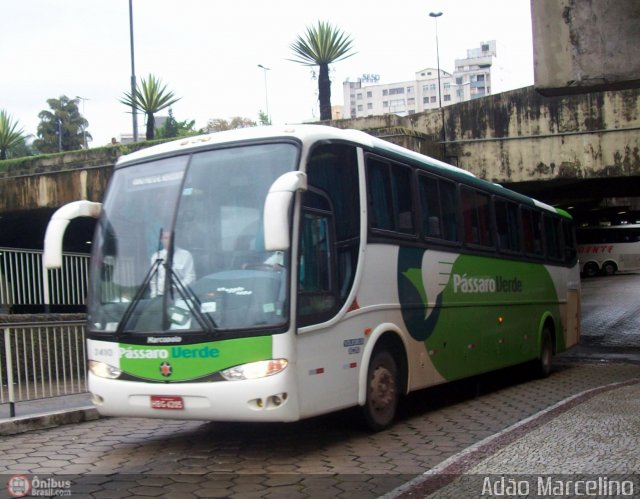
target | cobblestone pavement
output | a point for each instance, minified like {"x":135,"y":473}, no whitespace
{"x":323,"y":457}
{"x":333,"y":456}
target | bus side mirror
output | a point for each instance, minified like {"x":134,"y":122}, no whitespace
{"x":276,"y":209}
{"x":58,"y":224}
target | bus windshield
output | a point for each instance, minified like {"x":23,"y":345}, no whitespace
{"x":180,"y":244}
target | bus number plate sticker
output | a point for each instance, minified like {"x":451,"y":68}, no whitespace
{"x":167,"y":402}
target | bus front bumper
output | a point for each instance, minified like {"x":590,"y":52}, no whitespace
{"x":271,"y":398}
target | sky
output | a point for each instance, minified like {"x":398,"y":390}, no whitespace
{"x":208,"y":52}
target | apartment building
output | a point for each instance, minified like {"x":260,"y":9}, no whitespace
{"x":471,"y":79}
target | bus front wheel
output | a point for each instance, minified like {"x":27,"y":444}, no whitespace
{"x":591,"y":270}
{"x":380,"y":407}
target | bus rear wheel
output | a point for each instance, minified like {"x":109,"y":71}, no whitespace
{"x":380,"y":407}
{"x":609,"y":268}
{"x":545,"y":360}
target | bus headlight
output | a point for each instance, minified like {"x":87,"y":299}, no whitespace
{"x":255,"y":370}
{"x":103,"y":370}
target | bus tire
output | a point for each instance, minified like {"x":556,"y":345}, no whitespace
{"x":544,"y":362}
{"x":379,"y":409}
{"x":591,"y":270}
{"x":609,"y":268}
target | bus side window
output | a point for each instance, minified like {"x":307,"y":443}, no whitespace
{"x":552,"y":238}
{"x":475,"y":216}
{"x":507,"y":226}
{"x":390,"y":196}
{"x":532,"y":232}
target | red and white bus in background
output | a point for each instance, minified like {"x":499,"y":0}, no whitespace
{"x":607,"y":250}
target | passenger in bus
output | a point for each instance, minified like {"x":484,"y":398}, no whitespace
{"x":182,"y":266}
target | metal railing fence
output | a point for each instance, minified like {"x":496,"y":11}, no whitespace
{"x":22,"y":283}
{"x":41,"y":360}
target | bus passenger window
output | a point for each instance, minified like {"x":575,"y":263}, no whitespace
{"x":439,"y":205}
{"x":390,"y":196}
{"x":532,"y":232}
{"x":475,"y":216}
{"x":507,"y":226}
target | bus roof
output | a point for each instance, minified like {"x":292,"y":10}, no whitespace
{"x":312,"y":133}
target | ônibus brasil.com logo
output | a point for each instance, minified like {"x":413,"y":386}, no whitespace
{"x":21,"y":486}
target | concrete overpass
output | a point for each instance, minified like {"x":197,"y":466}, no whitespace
{"x":575,"y":150}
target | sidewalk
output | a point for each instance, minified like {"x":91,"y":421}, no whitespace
{"x":47,"y":413}
{"x":591,"y":436}
{"x":592,"y":433}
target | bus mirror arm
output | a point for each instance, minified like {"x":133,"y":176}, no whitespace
{"x":276,"y":209}
{"x":57,"y":226}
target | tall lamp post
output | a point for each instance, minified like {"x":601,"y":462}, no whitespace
{"x":266,"y":93}
{"x":84,"y":128}
{"x":133,"y":76}
{"x":435,"y":16}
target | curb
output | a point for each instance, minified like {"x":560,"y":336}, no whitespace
{"x":52,"y":419}
{"x":454,"y":466}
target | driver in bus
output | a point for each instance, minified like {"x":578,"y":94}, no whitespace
{"x":182,"y":266}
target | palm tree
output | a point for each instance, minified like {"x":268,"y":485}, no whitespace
{"x":322,"y":45}
{"x":150,"y":97}
{"x":10,"y":135}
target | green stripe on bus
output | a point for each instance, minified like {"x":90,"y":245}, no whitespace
{"x":486,"y":316}
{"x":186,"y":362}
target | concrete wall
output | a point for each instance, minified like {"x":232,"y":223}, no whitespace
{"x":521,"y":136}
{"x":515,"y":136}
{"x":585,"y":45}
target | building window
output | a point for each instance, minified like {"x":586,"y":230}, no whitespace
{"x":359,"y":107}
{"x":396,"y":91}
{"x":432,"y":98}
{"x":385,"y":92}
{"x":425,"y":100}
{"x":369,"y":105}
{"x":447,"y":97}
{"x":397,"y":105}
{"x":446,"y":85}
{"x":369,"y":95}
{"x":385,"y":103}
{"x":409,"y":90}
{"x":432,"y":87}
{"x":359,"y":96}
{"x":353,"y":111}
{"x":411,"y":101}
{"x":459,"y":80}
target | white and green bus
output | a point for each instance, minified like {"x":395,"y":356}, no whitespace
{"x":274,"y":274}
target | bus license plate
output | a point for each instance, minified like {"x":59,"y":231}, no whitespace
{"x":167,"y":402}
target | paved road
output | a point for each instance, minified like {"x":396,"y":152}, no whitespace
{"x":330,"y":456}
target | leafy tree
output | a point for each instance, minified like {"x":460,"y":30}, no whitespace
{"x":263,"y":118}
{"x":62,"y":128}
{"x":173,"y":128}
{"x":10,"y":135}
{"x":322,"y":45}
{"x":150,"y":97}
{"x":220,"y":125}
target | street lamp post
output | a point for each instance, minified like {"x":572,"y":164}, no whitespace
{"x":435,"y":16}
{"x":84,"y":128}
{"x":133,"y":76}
{"x":266,"y":93}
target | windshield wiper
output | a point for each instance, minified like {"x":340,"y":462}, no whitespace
{"x":193,"y":304}
{"x":138,"y":296}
